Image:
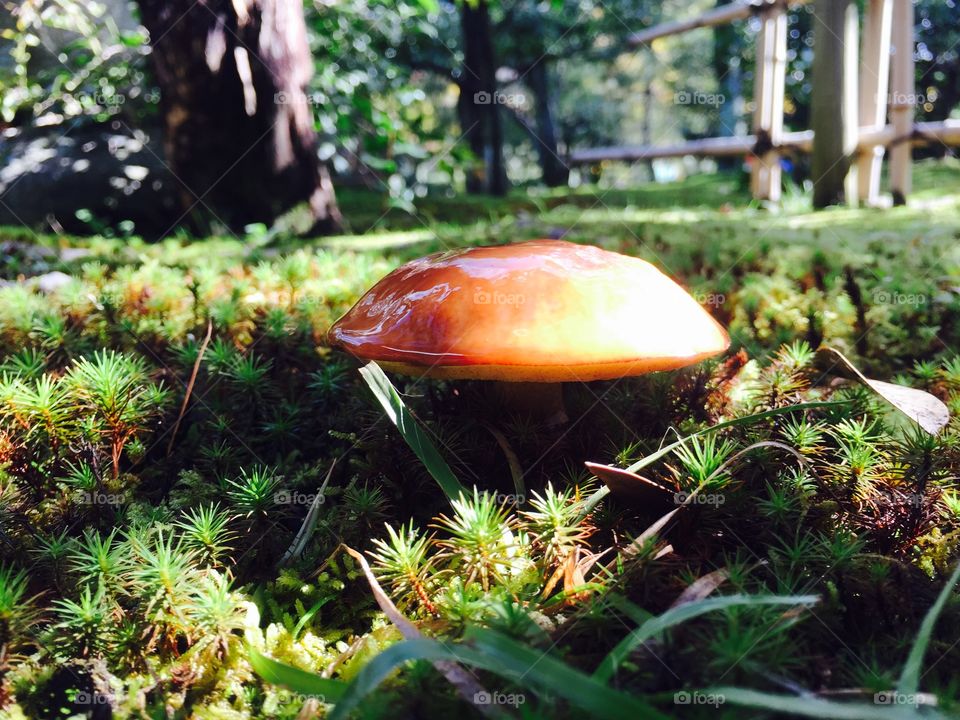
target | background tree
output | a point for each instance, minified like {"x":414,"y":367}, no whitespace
{"x":478,"y":104}
{"x":239,"y":131}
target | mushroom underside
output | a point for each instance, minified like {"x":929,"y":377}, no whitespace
{"x":541,"y":401}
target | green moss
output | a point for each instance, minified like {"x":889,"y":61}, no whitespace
{"x":171,"y":529}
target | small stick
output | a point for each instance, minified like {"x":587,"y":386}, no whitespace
{"x":193,"y":380}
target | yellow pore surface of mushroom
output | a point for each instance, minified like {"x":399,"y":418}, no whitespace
{"x":538,"y":311}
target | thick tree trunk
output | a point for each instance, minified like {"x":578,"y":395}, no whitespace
{"x":554,"y":171}
{"x":238,"y":126}
{"x":478,"y":103}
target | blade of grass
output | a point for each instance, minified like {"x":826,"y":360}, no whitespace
{"x":653,"y":457}
{"x":513,"y":462}
{"x":300,"y":681}
{"x":597,"y":496}
{"x":309,"y":523}
{"x":498,"y":654}
{"x":308,"y":616}
{"x":909,"y":682}
{"x":674,"y":616}
{"x":815,"y":707}
{"x":416,"y":438}
{"x":466,"y":685}
{"x":555,"y":677}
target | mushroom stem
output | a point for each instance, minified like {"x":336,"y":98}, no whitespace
{"x":541,"y":401}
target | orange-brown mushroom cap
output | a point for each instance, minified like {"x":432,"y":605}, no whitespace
{"x":540,"y":311}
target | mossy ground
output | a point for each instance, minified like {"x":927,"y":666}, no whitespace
{"x":102,"y":491}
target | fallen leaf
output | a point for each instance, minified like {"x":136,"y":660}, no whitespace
{"x":634,"y":487}
{"x":923,"y":408}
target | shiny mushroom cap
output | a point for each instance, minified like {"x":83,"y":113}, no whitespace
{"x":541,"y":311}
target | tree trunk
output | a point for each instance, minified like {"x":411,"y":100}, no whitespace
{"x":554,"y":171}
{"x":477,"y":106}
{"x":833,"y":110}
{"x":238,"y":126}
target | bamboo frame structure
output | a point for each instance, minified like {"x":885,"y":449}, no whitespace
{"x":718,"y":16}
{"x":886,"y":87}
{"x":874,"y":96}
{"x":946,"y":132}
{"x":833,"y":104}
{"x":902,"y":99}
{"x":769,"y":88}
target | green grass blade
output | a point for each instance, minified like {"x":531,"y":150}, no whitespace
{"x":909,"y":682}
{"x":507,"y":658}
{"x":815,"y":707}
{"x":654,"y":626}
{"x":383,"y":665}
{"x":300,"y":681}
{"x":411,"y":431}
{"x":667,"y":449}
{"x":510,"y":658}
{"x":597,"y":496}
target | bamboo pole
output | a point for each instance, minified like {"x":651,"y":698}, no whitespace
{"x":718,"y":16}
{"x":834,"y":103}
{"x":946,"y":132}
{"x":874,"y":76}
{"x":902,"y":99}
{"x":760,"y":76}
{"x":770,"y":79}
{"x":778,"y":70}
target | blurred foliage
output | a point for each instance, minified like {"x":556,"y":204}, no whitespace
{"x":70,"y":58}
{"x":385,"y":84}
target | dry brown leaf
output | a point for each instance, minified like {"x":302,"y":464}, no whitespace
{"x":634,"y":488}
{"x":923,"y":408}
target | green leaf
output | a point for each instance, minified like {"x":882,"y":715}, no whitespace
{"x":416,"y":438}
{"x":909,"y":682}
{"x":652,"y":627}
{"x":300,"y":681}
{"x":809,"y":706}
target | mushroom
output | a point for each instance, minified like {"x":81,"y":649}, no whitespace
{"x":528,"y":316}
